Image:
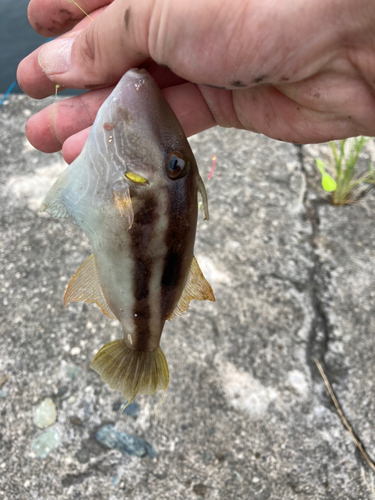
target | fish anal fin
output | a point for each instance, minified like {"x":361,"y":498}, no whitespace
{"x":85,"y":286}
{"x":197,"y":287}
{"x":123,"y":201}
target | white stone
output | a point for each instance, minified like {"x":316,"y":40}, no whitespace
{"x":45,"y":414}
{"x":245,"y":392}
{"x":298,"y":381}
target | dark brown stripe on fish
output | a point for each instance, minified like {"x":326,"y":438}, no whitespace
{"x":140,"y":234}
{"x":179,"y":236}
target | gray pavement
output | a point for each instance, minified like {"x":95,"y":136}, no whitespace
{"x":246,"y":414}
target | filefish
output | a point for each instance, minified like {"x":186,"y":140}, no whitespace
{"x":133,"y":191}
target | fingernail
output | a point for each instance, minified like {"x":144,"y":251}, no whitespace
{"x":54,"y":58}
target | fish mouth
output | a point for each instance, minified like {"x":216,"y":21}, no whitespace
{"x":136,"y":178}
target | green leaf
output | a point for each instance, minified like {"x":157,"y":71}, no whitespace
{"x":321,"y":166}
{"x":328,"y":183}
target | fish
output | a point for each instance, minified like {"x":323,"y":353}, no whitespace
{"x":133,"y":191}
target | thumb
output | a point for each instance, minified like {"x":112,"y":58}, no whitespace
{"x":100,"y":54}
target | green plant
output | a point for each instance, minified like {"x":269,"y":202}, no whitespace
{"x":344,"y":177}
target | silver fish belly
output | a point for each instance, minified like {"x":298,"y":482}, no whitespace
{"x":133,"y":191}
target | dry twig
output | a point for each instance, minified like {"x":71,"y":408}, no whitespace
{"x":357,"y":442}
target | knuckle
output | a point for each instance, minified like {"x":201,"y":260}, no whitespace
{"x":93,"y":61}
{"x":88,"y":47}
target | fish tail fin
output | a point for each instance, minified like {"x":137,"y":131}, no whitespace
{"x":131,"y":372}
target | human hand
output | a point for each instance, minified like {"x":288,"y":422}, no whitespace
{"x":298,"y":72}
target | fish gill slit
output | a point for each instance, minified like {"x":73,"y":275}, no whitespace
{"x":120,"y":158}
{"x":92,"y":162}
{"x":75,"y":201}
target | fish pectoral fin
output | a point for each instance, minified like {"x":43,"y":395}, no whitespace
{"x":55,"y":208}
{"x":202,"y":191}
{"x":85,"y":286}
{"x":123,"y":201}
{"x":197,"y":287}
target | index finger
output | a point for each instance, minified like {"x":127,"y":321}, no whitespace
{"x":30,"y":76}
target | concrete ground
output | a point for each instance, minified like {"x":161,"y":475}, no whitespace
{"x":246,"y":414}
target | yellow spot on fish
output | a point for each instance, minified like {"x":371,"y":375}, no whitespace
{"x":110,"y":138}
{"x":130,"y":339}
{"x":135,"y":178}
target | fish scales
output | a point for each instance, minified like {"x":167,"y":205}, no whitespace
{"x":133,"y":191}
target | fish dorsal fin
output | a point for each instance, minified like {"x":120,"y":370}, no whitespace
{"x":197,"y":287}
{"x":85,"y":286}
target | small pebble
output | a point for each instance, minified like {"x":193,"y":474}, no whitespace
{"x":237,"y":477}
{"x":115,"y":481}
{"x":117,"y":405}
{"x":86,"y":409}
{"x":74,"y":351}
{"x":83,"y":456}
{"x":133,"y":409}
{"x":128,"y":444}
{"x":73,"y":371}
{"x":3,"y":394}
{"x":46,"y":442}
{"x":4,"y":380}
{"x":45,"y":414}
{"x":75,"y":420}
{"x":200,"y":489}
{"x":62,"y":390}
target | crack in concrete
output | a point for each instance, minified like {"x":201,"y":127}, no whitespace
{"x":318,"y":341}
{"x":298,"y":285}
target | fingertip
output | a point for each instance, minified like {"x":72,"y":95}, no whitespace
{"x":51,"y":19}
{"x":31,"y":78}
{"x":73,"y":146}
{"x":31,"y":134}
{"x":32,"y":19}
{"x":40,"y":134}
{"x":190,"y":107}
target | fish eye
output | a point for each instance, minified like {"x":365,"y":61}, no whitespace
{"x":175,"y":164}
